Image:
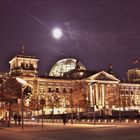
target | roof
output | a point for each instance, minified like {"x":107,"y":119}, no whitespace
{"x":26,"y":56}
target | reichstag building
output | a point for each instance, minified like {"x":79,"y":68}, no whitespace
{"x":71,"y":88}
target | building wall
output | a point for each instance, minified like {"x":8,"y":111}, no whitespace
{"x":78,"y":95}
{"x":102,"y":91}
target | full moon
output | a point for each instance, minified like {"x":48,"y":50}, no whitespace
{"x":57,"y":33}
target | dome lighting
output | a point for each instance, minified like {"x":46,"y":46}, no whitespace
{"x":63,"y":66}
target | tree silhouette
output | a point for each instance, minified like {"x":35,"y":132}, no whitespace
{"x":10,"y":92}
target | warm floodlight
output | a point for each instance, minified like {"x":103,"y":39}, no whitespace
{"x":21,"y":81}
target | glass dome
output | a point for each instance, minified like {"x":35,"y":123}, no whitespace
{"x":64,"y":65}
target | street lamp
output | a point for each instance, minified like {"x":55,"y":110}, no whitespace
{"x":71,"y":109}
{"x":23,"y":83}
{"x":119,"y":104}
{"x":42,"y":103}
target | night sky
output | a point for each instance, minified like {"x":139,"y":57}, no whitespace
{"x":97,"y":32}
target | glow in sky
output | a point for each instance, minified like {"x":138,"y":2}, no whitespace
{"x":57,"y":33}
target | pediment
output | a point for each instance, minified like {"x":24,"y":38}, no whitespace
{"x":103,"y":76}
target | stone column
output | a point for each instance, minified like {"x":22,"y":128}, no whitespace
{"x":134,"y":95}
{"x":94,"y":96}
{"x":97,"y":94}
{"x":91,"y":96}
{"x":130,"y":96}
{"x":102,"y":94}
{"x":138,"y":94}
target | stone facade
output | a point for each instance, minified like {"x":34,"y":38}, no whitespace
{"x":99,"y":91}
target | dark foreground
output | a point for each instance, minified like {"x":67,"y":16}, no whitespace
{"x":127,"y":132}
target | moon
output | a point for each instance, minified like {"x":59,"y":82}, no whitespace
{"x":57,"y":33}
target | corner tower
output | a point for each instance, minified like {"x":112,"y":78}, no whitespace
{"x":24,"y":65}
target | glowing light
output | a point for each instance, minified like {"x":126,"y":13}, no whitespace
{"x":21,"y":81}
{"x":57,"y":33}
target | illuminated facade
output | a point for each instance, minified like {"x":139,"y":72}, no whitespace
{"x":134,"y":75}
{"x":71,"y":88}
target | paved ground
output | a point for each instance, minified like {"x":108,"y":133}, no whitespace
{"x":34,"y":127}
{"x":72,"y":132}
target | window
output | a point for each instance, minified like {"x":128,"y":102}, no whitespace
{"x":49,"y":89}
{"x":64,"y":90}
{"x":57,"y":89}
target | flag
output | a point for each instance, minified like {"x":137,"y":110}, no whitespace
{"x":110,"y":66}
{"x":23,"y":49}
{"x":135,"y":61}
